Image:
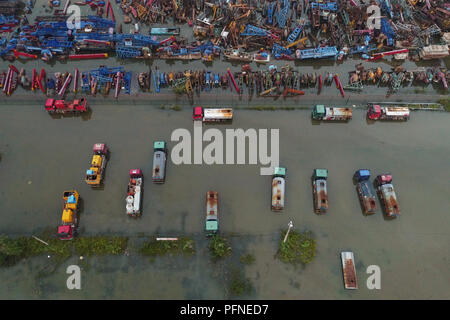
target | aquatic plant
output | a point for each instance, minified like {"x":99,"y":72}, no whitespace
{"x":298,"y":248}
{"x":247,"y":259}
{"x":154,"y":247}
{"x":12,"y":250}
{"x":239,"y":285}
{"x":446,"y":103}
{"x":100,"y":245}
{"x":219,"y":247}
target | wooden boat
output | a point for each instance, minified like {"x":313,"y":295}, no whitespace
{"x":348,"y":270}
{"x":236,"y":55}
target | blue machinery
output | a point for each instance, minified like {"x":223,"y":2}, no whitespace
{"x":325,"y":52}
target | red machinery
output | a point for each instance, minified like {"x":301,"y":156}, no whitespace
{"x":380,"y":55}
{"x":53,"y":106}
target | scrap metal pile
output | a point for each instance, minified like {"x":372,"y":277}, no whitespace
{"x":100,"y":80}
{"x":243,"y":30}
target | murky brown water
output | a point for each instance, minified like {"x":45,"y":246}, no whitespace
{"x":41,"y":157}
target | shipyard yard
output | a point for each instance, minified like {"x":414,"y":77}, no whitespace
{"x":274,"y":63}
{"x":42,"y":156}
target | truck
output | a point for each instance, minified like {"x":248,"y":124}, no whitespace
{"x":349,"y":270}
{"x":95,"y":174}
{"x":212,"y":114}
{"x":53,"y":106}
{"x":322,"y":113}
{"x":387,"y":195}
{"x":278,"y":188}
{"x":159,"y":162}
{"x":134,"y":193}
{"x":320,"y":190}
{"x":69,"y":219}
{"x":376,"y":112}
{"x":365,"y":191}
{"x":212,"y":213}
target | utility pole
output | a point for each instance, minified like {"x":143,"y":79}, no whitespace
{"x":290,"y":225}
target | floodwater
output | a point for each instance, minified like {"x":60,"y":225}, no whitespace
{"x":42,"y":156}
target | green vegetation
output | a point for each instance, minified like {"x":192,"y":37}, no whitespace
{"x":154,"y":247}
{"x":12,"y":250}
{"x":99,"y":246}
{"x":239,"y":285}
{"x":247,"y":259}
{"x":176,"y":108}
{"x":299,"y":247}
{"x":179,"y":90}
{"x":446,"y":103}
{"x":219,"y":247}
{"x":419,"y":90}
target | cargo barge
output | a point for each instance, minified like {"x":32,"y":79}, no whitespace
{"x":159,"y":162}
{"x":278,"y":188}
{"x":387,"y":195}
{"x":348,"y":270}
{"x":322,"y":113}
{"x":366,"y":192}
{"x":213,"y":114}
{"x":134,"y":193}
{"x":69,"y":219}
{"x":212,"y":213}
{"x":95,"y":174}
{"x":320,"y":190}
{"x":376,"y":112}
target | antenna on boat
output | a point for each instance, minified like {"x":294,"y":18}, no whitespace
{"x":290,"y":225}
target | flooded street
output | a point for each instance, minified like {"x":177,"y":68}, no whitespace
{"x":42,"y":156}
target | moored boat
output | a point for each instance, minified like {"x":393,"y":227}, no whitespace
{"x":159,"y":162}
{"x":69,"y":219}
{"x":320,"y":190}
{"x":134,"y":193}
{"x":365,"y":191}
{"x":212,"y":213}
{"x":278,"y":188}
{"x":95,"y":174}
{"x":236,"y":55}
{"x":348,"y":270}
{"x":387,"y":195}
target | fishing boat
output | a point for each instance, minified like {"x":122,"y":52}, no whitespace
{"x":236,"y":55}
{"x":134,"y":193}
{"x":348,"y":270}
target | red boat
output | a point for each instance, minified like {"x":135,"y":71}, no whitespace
{"x":61,"y":106}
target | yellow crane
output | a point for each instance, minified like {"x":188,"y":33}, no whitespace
{"x":302,"y":40}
